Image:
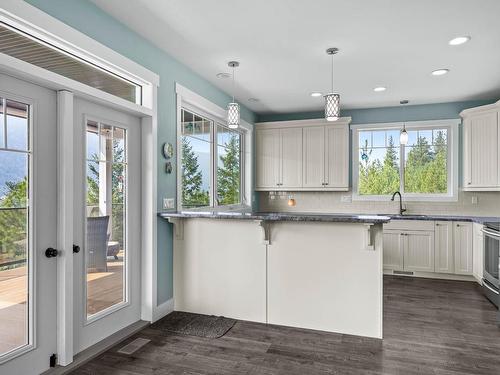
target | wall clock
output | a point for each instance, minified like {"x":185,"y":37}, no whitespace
{"x":167,"y":150}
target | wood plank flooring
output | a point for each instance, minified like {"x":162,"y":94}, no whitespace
{"x":430,"y":327}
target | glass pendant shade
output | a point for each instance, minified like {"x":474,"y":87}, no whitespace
{"x":403,"y":137}
{"x":233,"y":115}
{"x":332,"y":107}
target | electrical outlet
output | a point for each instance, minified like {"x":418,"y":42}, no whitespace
{"x":346,"y":199}
{"x":168,"y":203}
{"x":474,"y":199}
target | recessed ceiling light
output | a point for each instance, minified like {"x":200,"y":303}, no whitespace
{"x":459,"y":40}
{"x":380,"y":89}
{"x":440,"y":72}
{"x":316,"y":94}
{"x":223,"y":75}
{"x":253,"y":100}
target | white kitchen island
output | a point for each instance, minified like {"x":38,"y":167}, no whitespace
{"x":313,"y":271}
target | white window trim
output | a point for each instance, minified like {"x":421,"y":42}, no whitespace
{"x":197,"y":103}
{"x":453,"y":138}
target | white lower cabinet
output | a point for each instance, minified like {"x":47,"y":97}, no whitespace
{"x":393,"y":250}
{"x":446,"y":248}
{"x":462,"y":236}
{"x":444,"y":252}
{"x":419,"y":251}
{"x":477,"y":252}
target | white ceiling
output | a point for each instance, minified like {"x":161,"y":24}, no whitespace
{"x":281,"y":47}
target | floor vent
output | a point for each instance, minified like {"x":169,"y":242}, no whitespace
{"x":409,"y":273}
{"x":132,"y":347}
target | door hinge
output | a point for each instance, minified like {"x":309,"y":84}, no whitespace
{"x":53,"y":360}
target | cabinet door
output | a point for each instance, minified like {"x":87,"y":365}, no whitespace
{"x":337,"y":157}
{"x":393,"y":250}
{"x":463,"y":248}
{"x":477,"y":252}
{"x":314,"y":156}
{"x":481,"y":158}
{"x":268,"y":159}
{"x":291,"y":157}
{"x":443,"y":248}
{"x":419,"y":251}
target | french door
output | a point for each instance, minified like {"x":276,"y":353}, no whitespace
{"x":107,"y":222}
{"x":28,"y":219}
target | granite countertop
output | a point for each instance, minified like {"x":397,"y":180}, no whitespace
{"x":323,"y":217}
{"x":279,"y":216}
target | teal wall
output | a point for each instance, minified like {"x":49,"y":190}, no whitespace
{"x":84,"y":16}
{"x":439,"y":111}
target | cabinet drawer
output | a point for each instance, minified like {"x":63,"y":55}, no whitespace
{"x":410,"y":225}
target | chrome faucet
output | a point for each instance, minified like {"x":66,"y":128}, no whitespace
{"x":401,"y":209}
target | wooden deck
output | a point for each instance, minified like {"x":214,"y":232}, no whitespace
{"x":104,"y":288}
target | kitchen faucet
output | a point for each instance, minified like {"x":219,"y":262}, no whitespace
{"x":401,"y":209}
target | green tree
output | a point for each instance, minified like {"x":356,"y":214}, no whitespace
{"x":228,"y":175}
{"x":192,"y":193}
{"x":13,"y":222}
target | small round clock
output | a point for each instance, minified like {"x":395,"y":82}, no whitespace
{"x":167,"y":150}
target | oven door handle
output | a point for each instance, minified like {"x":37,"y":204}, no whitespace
{"x":491,"y":289}
{"x":491,"y":233}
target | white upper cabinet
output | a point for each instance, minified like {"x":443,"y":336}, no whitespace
{"x":314,"y":156}
{"x":481,"y":142}
{"x":268,"y":162}
{"x":309,"y":155}
{"x":337,"y":157}
{"x":291,"y":157}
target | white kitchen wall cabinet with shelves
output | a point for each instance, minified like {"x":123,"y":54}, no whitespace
{"x":307,"y":155}
{"x":481,"y":144}
{"x":431,"y":248}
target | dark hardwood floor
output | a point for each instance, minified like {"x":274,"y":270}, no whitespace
{"x":430,"y":327}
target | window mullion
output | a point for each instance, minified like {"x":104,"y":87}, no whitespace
{"x":213,"y":161}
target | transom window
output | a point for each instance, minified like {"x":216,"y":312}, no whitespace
{"x":211,"y":162}
{"x":424,"y":167}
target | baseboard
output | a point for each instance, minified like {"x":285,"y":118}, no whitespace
{"x":99,"y":348}
{"x":433,"y":275}
{"x":163,"y":310}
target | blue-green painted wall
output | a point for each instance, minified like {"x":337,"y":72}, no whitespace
{"x":439,"y":111}
{"x":84,"y":16}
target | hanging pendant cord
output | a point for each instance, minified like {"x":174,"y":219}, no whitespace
{"x":233,"y":84}
{"x":332,"y":73}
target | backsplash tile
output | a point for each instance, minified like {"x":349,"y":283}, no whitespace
{"x":488,"y":204}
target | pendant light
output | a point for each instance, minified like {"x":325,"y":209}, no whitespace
{"x":233,"y":108}
{"x":332,"y":100}
{"x":403,"y":136}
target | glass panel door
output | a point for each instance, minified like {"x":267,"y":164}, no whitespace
{"x":15,"y":238}
{"x":106,"y":210}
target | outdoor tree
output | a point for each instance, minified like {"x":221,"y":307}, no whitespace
{"x":228,"y":175}
{"x":192,"y":192}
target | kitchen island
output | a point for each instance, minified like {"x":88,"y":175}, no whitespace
{"x":316,"y":271}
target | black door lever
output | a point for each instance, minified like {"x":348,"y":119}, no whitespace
{"x":51,"y":252}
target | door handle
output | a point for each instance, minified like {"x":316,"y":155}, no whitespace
{"x":51,"y":252}
{"x":76,"y":249}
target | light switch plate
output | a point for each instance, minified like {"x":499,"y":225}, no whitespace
{"x":168,"y":203}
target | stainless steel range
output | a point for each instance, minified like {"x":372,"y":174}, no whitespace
{"x":491,"y":281}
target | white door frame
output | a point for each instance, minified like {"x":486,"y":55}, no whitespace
{"x":34,"y":21}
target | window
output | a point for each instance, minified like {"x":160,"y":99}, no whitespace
{"x":106,"y":216}
{"x":211,"y":162}
{"x":25,"y":47}
{"x":424,"y":168}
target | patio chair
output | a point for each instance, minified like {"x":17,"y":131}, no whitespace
{"x":97,"y":243}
